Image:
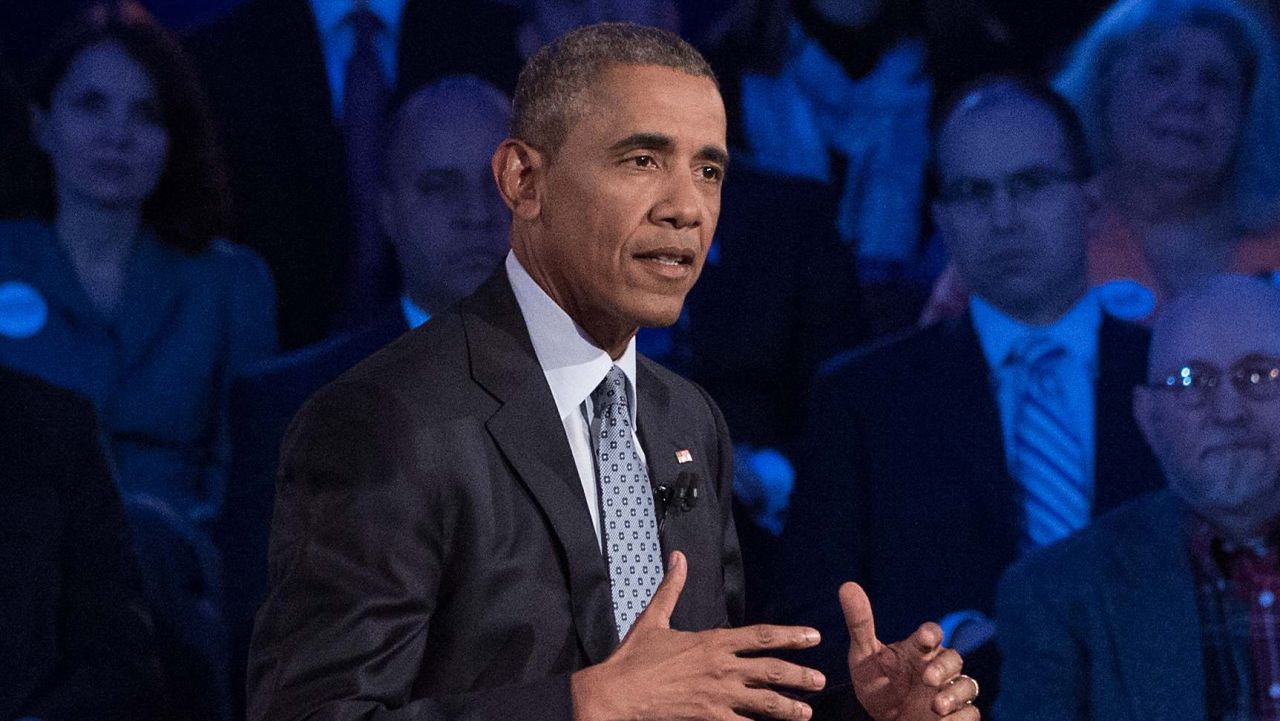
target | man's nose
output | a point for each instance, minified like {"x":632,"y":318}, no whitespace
{"x":681,"y":202}
{"x":1227,"y":405}
{"x":1004,"y":212}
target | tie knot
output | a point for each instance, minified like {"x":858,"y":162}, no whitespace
{"x":612,"y":391}
{"x":365,"y":22}
{"x":1038,"y":354}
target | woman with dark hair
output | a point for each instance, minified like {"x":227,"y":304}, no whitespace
{"x":119,"y":286}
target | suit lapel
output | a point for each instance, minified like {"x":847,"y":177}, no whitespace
{"x":1119,"y":450}
{"x":529,"y":433}
{"x":967,"y":404}
{"x":1151,"y":601}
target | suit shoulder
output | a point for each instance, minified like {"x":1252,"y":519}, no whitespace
{"x":1073,"y":564}
{"x":1125,"y":334}
{"x":901,"y":354}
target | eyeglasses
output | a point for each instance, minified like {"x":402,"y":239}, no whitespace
{"x":1025,"y":187}
{"x":1255,"y":377}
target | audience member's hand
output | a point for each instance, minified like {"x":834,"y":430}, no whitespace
{"x":915,"y":679}
{"x":659,"y":673}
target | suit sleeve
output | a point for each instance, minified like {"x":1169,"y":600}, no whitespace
{"x":359,"y":545}
{"x":1044,"y":661}
{"x":107,"y":645}
{"x":731,"y":551}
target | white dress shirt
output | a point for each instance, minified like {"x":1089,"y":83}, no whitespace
{"x":1077,"y":332}
{"x":573,"y":365}
{"x":999,"y":335}
{"x":338,"y":40}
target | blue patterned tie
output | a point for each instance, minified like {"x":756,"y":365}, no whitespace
{"x":1049,"y":458}
{"x":629,"y":524}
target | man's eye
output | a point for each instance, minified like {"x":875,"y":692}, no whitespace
{"x":644,"y":161}
{"x":710,"y":172}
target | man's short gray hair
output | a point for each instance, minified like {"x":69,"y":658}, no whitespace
{"x":549,"y":94}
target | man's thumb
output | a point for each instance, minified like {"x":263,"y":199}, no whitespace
{"x":658,"y":613}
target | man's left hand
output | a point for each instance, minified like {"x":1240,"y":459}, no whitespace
{"x":915,"y":679}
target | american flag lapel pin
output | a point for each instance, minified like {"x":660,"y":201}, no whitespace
{"x":684,"y":456}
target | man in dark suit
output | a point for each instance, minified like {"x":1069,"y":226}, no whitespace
{"x":1166,"y":608}
{"x":77,"y":637}
{"x":924,"y":470}
{"x":466,"y":523}
{"x":276,"y":81}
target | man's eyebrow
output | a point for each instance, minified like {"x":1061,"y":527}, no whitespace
{"x":715,"y":154}
{"x":635,"y":141}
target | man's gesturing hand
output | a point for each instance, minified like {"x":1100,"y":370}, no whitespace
{"x":912,"y":680}
{"x":661,"y":674}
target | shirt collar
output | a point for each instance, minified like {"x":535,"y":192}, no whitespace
{"x":414,"y":314}
{"x":999,"y":333}
{"x":572,"y":363}
{"x":329,"y":14}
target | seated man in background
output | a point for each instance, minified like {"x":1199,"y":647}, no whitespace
{"x":77,"y":639}
{"x":448,"y":227}
{"x":1166,"y":608}
{"x":934,"y":460}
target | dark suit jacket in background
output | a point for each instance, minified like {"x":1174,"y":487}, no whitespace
{"x":1105,"y":625}
{"x":76,"y":638}
{"x":263,"y":67}
{"x":432,"y":555}
{"x":781,"y":298}
{"x":903,"y":483}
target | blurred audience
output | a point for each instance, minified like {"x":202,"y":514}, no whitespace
{"x":977,"y":439}
{"x":1166,"y":608}
{"x":120,"y":289}
{"x":302,"y":88}
{"x":777,"y":296}
{"x":448,"y":227}
{"x":1182,"y":108}
{"x":77,"y":639}
{"x":837,"y":92}
{"x":18,"y":157}
{"x":546,"y":20}
{"x":128,"y":296}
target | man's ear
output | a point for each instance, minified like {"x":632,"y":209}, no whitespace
{"x":1093,"y":202}
{"x":39,"y":127}
{"x":519,"y":170}
{"x":1143,"y":411}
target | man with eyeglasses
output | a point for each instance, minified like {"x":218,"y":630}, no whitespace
{"x":934,"y":461}
{"x":1166,"y":608}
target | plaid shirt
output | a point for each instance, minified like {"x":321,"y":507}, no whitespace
{"x":1237,"y":589}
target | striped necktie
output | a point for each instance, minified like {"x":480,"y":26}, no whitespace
{"x":1048,"y":459}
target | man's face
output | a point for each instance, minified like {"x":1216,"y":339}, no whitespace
{"x":445,"y":218}
{"x":1222,"y":456}
{"x":1010,"y":209}
{"x":630,"y":201}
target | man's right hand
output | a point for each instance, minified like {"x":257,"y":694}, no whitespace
{"x":662,"y":674}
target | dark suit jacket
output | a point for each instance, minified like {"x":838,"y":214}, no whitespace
{"x":781,"y":298}
{"x":263,"y":67}
{"x":903,"y":482}
{"x":1105,"y":624}
{"x":262,"y":403}
{"x":431,"y":553}
{"x":77,"y":641}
